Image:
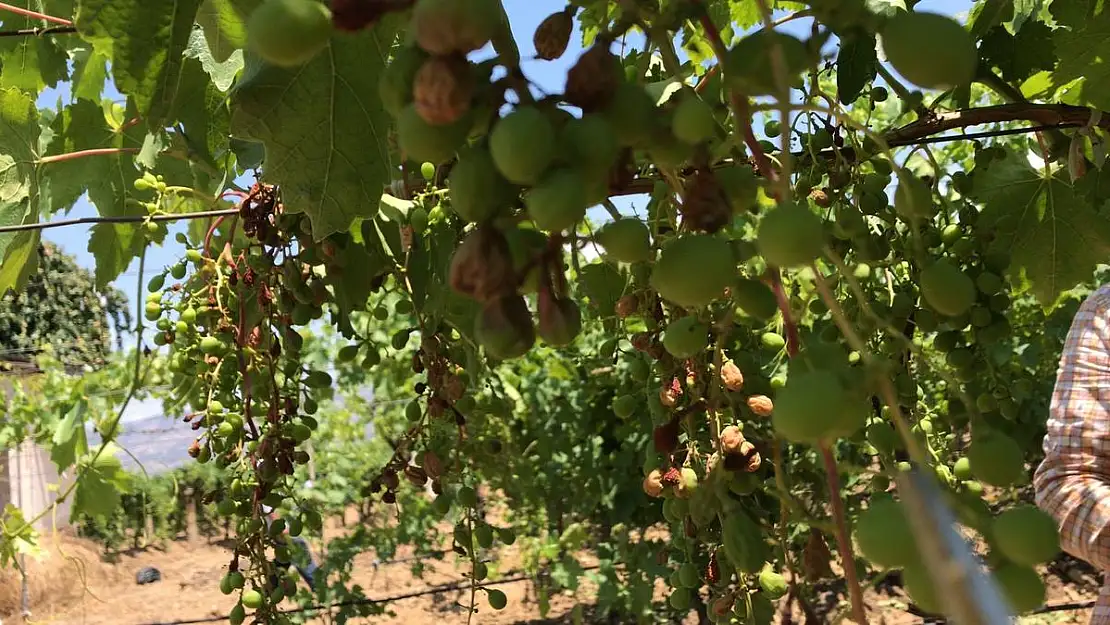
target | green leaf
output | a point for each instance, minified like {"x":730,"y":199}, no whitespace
{"x":988,"y":14}
{"x":745,"y":14}
{"x":1023,"y":11}
{"x":225,"y":25}
{"x":361,"y":264}
{"x":98,"y":489}
{"x":1019,"y":56}
{"x":419,"y":271}
{"x":202,"y":106}
{"x":223,"y":72}
{"x":90,"y":72}
{"x":19,"y":191}
{"x":248,"y":154}
{"x":334,"y":172}
{"x":80,"y":126}
{"x":154,"y":143}
{"x":394,"y":208}
{"x":855,"y":66}
{"x":32,"y":63}
{"x":603,"y":285}
{"x":20,"y":260}
{"x":114,"y":245}
{"x":1073,"y":13}
{"x":1056,"y":237}
{"x":145,"y":42}
{"x":1083,"y":48}
{"x":661,"y":91}
{"x":19,"y":536}
{"x":886,"y":8}
{"x":69,"y":437}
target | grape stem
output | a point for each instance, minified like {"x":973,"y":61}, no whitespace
{"x":901,"y":90}
{"x":738,"y":102}
{"x":69,"y":156}
{"x":843,"y":543}
{"x":782,"y":84}
{"x":789,"y":327}
{"x":832,"y":476}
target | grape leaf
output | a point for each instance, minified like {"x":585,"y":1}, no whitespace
{"x":886,"y":8}
{"x":19,"y":191}
{"x":988,"y":14}
{"x":746,"y":14}
{"x":90,"y":72}
{"x":1082,"y":49}
{"x":80,"y":126}
{"x":114,"y":245}
{"x":334,"y":173}
{"x":19,"y":536}
{"x":225,"y":25}
{"x":69,"y":437}
{"x":202,"y":105}
{"x":855,"y":66}
{"x":223,"y":72}
{"x":1019,"y":56}
{"x":361,"y":263}
{"x":98,"y":489}
{"x":1056,"y":237}
{"x":1071,"y":13}
{"x":145,"y":41}
{"x":1023,"y":11}
{"x":32,"y":63}
{"x":20,"y":260}
{"x":604,"y":285}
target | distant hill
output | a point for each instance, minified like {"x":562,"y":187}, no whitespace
{"x":160,"y":443}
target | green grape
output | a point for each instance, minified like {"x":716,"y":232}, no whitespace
{"x":1026,"y":535}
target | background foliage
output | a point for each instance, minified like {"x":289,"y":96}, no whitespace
{"x":356,"y":289}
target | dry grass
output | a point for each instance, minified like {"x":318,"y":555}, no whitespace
{"x":69,"y":566}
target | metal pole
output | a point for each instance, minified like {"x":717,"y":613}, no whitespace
{"x":970,"y":596}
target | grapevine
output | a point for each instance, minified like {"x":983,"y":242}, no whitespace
{"x":738,"y":277}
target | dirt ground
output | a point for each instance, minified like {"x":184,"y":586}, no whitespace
{"x":191,"y":571}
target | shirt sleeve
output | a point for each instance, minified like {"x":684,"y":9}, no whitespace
{"x":1078,"y":427}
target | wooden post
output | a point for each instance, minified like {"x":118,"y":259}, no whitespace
{"x":190,"y":515}
{"x":148,"y":527}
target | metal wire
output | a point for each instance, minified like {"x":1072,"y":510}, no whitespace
{"x":120,"y":220}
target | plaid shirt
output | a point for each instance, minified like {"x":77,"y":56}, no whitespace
{"x":1073,"y":481}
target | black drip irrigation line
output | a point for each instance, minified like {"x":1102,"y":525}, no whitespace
{"x":459,"y":585}
{"x":928,"y":619}
{"x":430,"y":555}
{"x":1060,"y":607}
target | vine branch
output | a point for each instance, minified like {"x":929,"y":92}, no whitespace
{"x":843,"y":541}
{"x":1050,"y":115}
{"x":69,"y":156}
{"x":34,"y":14}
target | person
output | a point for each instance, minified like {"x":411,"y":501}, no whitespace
{"x":305,"y":565}
{"x":1072,"y":483}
